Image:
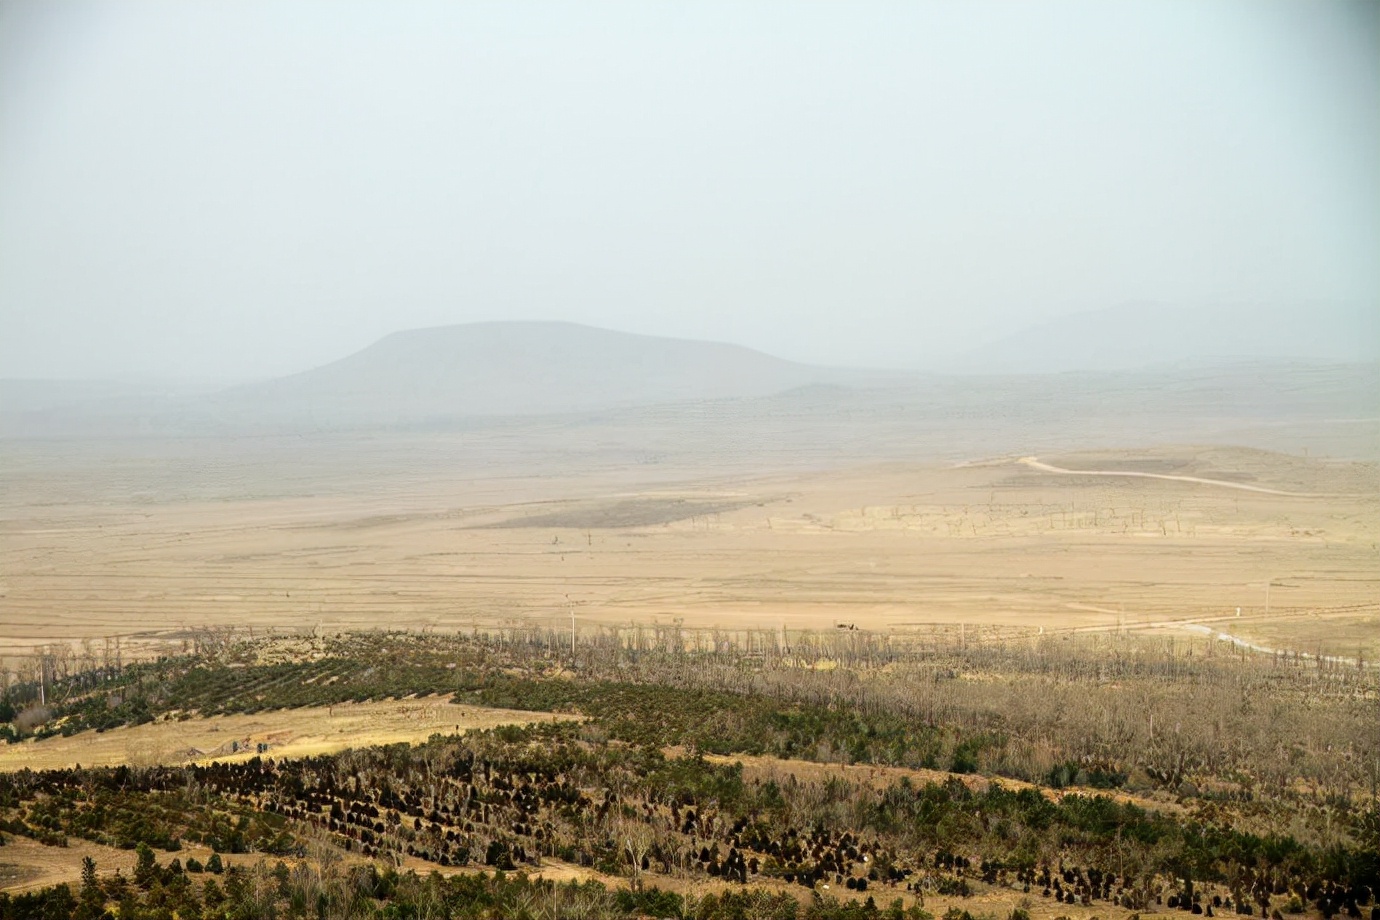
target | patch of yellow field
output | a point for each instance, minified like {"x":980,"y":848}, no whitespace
{"x":287,"y":733}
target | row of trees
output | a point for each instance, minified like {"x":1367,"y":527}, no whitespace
{"x":516,"y":795}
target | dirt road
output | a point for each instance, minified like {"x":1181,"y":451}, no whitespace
{"x":1035,"y":464}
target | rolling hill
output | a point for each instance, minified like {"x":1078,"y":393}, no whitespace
{"x":485,"y":370}
{"x":510,"y":390}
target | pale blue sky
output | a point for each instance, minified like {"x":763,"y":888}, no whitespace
{"x":241,"y":189}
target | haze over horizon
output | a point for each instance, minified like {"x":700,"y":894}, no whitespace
{"x":247,"y":191}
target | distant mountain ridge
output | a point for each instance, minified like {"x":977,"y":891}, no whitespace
{"x":522,"y":384}
{"x":515,"y":369}
{"x":1131,"y":336}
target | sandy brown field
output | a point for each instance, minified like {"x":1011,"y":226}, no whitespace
{"x":27,"y":864}
{"x":889,"y":547}
{"x":287,"y":733}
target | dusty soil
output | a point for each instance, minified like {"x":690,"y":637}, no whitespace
{"x":287,"y":733}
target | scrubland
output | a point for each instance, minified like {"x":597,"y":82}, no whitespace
{"x":827,"y":773}
{"x":994,"y":688}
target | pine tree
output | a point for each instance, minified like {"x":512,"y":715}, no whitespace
{"x":92,"y":903}
{"x":145,"y":867}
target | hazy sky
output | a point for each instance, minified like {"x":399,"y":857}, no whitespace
{"x":239,"y":189}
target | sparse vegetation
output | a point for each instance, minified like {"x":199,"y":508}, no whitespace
{"x":1101,"y":712}
{"x":629,"y":792}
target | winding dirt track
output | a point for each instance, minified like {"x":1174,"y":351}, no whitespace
{"x":1035,"y":464}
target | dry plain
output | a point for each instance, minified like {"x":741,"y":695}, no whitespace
{"x":995,"y":543}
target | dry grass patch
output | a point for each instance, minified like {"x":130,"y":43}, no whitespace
{"x":886,"y":547}
{"x":288,"y":733}
{"x":27,"y":865}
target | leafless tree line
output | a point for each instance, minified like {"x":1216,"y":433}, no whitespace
{"x":1174,"y":709}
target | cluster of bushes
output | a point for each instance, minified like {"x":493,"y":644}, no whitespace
{"x":217,"y":689}
{"x":367,"y":892}
{"x":349,"y":669}
{"x":1098,"y":776}
{"x":719,"y":722}
{"x":162,"y":819}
